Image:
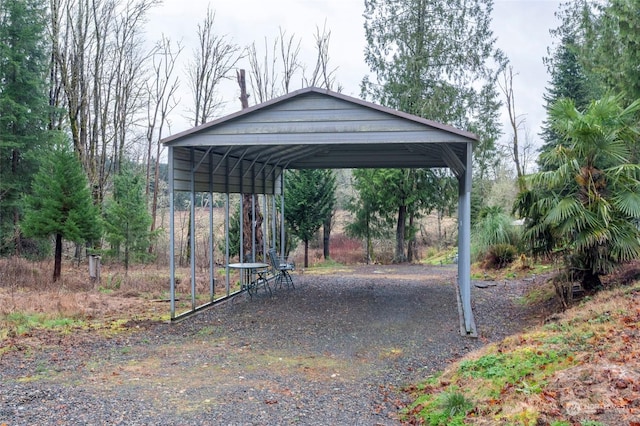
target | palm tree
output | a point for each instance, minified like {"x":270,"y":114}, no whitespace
{"x":589,"y":207}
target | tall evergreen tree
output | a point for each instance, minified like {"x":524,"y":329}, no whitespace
{"x":61,"y":205}
{"x":398,"y":195}
{"x":127,"y":219}
{"x":571,"y":67}
{"x":23,"y":108}
{"x":435,"y":59}
{"x":568,"y":80}
{"x":597,"y":53}
{"x":614,"y":49}
{"x":309,"y":198}
{"x":367,"y":222}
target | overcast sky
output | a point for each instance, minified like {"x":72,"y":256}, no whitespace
{"x":520,"y":26}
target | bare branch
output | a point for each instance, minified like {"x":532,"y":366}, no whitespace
{"x":212,"y":62}
{"x":263,"y":74}
{"x":322,"y":75}
{"x":506,"y":85}
{"x":289,"y":53}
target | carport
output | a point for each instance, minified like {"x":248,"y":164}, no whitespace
{"x":247,"y":153}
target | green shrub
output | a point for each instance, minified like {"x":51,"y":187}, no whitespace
{"x":492,"y":228}
{"x":499,"y":256}
{"x":456,"y":404}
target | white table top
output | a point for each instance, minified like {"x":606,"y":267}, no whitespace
{"x":248,"y":265}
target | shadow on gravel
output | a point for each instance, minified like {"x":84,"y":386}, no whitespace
{"x":336,"y":350}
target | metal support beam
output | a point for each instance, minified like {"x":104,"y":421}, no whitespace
{"x":282,"y":236}
{"x":172,"y":248}
{"x":226,"y":240}
{"x":192,"y":231}
{"x":242,"y":213}
{"x":265,"y":223}
{"x":464,"y":246}
{"x":453,"y":161}
{"x":211,"y":262}
{"x":273,"y":221}
{"x":253,"y":217}
{"x":226,"y":229}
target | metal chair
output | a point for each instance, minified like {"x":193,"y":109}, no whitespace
{"x":281,"y":267}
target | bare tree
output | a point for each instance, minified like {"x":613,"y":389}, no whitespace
{"x":161,"y":100}
{"x":98,"y":62}
{"x":277,"y":65}
{"x":252,"y":229}
{"x":322,"y":75}
{"x":506,"y":85}
{"x":289,"y":54}
{"x":212,"y":62}
{"x":528,"y":153}
{"x":263,"y":73}
{"x":128,"y":75}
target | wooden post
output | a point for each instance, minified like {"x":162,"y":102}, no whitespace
{"x":252,"y":216}
{"x":94,"y":268}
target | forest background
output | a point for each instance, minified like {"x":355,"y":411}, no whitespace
{"x":79,"y":83}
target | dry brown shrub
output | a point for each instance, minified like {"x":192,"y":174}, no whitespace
{"x":16,"y":272}
{"x":27,"y":287}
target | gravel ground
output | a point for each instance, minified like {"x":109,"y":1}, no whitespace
{"x":336,"y":350}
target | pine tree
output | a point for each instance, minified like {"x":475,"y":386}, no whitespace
{"x":597,"y":54}
{"x":615,"y":49}
{"x":23,"y":109}
{"x":309,"y":198}
{"x":60,"y":204}
{"x":434,"y":59}
{"x":366,"y":222}
{"x":127,"y":219}
{"x":568,"y":80}
{"x":396,"y":195}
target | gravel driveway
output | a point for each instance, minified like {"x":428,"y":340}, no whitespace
{"x":336,"y":350}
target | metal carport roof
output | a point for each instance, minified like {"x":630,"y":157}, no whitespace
{"x":246,"y":152}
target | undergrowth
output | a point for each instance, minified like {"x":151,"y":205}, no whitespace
{"x":508,"y":382}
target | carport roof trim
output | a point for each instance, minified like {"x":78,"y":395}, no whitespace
{"x":170,"y":140}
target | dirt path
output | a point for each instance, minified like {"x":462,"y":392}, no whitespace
{"x":336,"y":350}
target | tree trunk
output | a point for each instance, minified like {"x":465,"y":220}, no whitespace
{"x":57,"y":263}
{"x":400,"y":235}
{"x":248,"y":199}
{"x":369,"y":244}
{"x":248,"y":226}
{"x":17,"y":244}
{"x":126,"y":253}
{"x":326,"y":230}
{"x":411,"y":246}
{"x":439,"y":216}
{"x":591,"y":281}
{"x":513,"y":120}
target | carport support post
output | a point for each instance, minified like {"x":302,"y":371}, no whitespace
{"x":464,"y":245}
{"x":192,"y":229}
{"x":211,"y":245}
{"x":282,"y":236}
{"x":172,"y":248}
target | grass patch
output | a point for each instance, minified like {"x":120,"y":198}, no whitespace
{"x":538,"y":293}
{"x":515,"y":381}
{"x":439,"y":257}
{"x":20,"y":323}
{"x":449,"y":408}
{"x":327,"y":263}
{"x":525,"y":369}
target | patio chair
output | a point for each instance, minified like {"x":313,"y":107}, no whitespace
{"x":281,"y":267}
